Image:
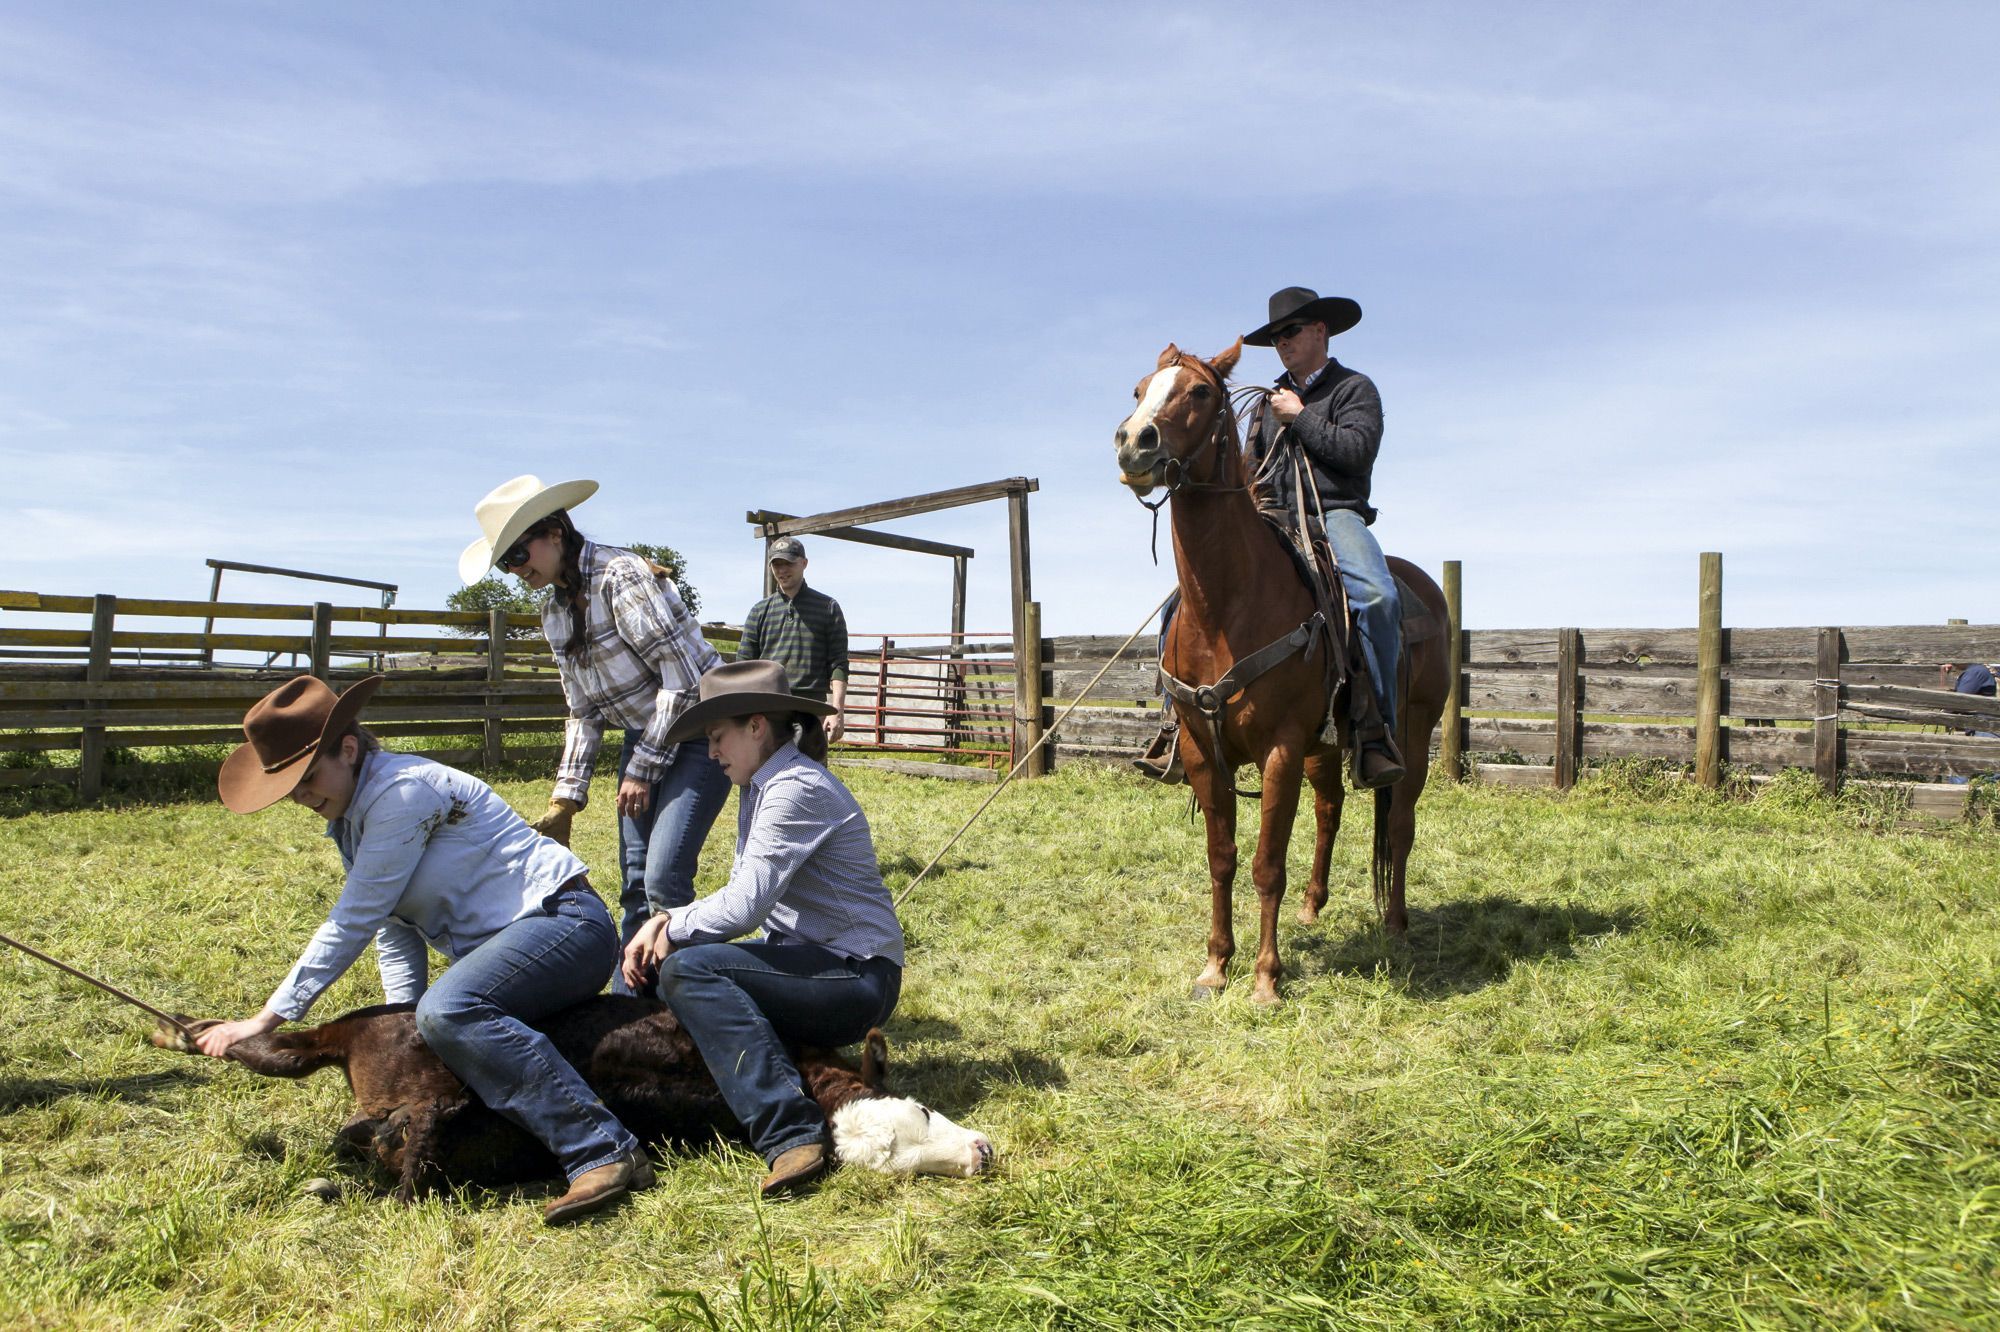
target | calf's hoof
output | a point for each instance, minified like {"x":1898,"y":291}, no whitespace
{"x":598,"y":1188}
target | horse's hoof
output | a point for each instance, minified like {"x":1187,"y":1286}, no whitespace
{"x":1265,"y":998}
{"x":1200,"y":991}
{"x":321,"y":1188}
{"x":1308,"y":915}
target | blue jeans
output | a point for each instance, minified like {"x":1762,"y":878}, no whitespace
{"x":1371,"y":595}
{"x":741,"y":1002}
{"x":659,"y":849}
{"x":475,"y":1018}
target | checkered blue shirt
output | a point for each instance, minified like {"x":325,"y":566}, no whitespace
{"x":643,"y":659}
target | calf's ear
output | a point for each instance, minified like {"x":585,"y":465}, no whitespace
{"x":875,"y":1059}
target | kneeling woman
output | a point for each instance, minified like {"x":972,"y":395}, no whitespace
{"x":434,"y":856}
{"x":830,"y":965}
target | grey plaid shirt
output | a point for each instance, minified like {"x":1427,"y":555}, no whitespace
{"x":643,"y":658}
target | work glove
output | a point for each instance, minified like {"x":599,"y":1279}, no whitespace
{"x":555,"y":823}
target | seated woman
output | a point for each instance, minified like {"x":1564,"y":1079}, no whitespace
{"x":434,"y":856}
{"x":830,"y":965}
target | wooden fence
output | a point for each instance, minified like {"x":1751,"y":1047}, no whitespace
{"x":1537,"y":706}
{"x":117,"y":681}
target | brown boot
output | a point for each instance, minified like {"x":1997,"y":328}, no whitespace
{"x":599,"y":1188}
{"x":795,"y":1170}
{"x":1162,"y":759}
{"x":1377,"y":763}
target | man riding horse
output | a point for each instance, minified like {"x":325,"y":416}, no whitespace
{"x":1335,"y":415}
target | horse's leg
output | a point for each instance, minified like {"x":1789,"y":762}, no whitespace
{"x":1218,"y":808}
{"x":1282,"y":771}
{"x":1403,"y":832}
{"x":1323,"y":771}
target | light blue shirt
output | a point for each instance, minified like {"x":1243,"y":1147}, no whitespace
{"x":805,"y":869}
{"x":433,"y":857}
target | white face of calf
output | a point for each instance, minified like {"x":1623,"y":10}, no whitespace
{"x":899,"y":1136}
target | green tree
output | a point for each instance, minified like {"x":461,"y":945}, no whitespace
{"x":670,"y":559}
{"x":504,"y":593}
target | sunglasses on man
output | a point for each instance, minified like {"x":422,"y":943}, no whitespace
{"x":1288,"y":331}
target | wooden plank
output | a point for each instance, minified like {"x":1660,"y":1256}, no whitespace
{"x":496,"y":671}
{"x":759,"y":518}
{"x":1920,"y":644}
{"x":1028,"y":694}
{"x":1826,"y":712}
{"x":195,"y":686}
{"x":1569,"y":707}
{"x":1926,"y":755}
{"x":217,"y":714}
{"x":1452,"y":748}
{"x":1708,"y":683}
{"x":884,"y":510}
{"x":1138,"y":685}
{"x":90,"y":764}
{"x":321,"y":653}
{"x":37,"y":776}
{"x":1505,"y":735}
{"x":1513,"y":774}
{"x":1971,"y":707}
{"x":1624,"y":740}
{"x":157,"y":608}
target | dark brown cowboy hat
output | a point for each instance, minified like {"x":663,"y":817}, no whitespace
{"x":1303,"y":305}
{"x":740,"y":689}
{"x":286,"y":730}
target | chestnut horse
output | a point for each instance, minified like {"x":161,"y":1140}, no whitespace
{"x":1240,"y":593}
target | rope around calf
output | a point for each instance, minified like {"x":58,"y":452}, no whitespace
{"x":1047,"y":735}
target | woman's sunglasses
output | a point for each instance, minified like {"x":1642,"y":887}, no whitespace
{"x":516,"y":556}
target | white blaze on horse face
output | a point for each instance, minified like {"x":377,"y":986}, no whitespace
{"x":1158,"y":390}
{"x":898,"y":1136}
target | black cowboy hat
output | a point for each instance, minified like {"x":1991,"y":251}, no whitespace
{"x":1303,"y":305}
{"x":739,"y":689}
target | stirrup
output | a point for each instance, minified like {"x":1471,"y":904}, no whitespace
{"x":1375,"y":762}
{"x":1162,"y":759}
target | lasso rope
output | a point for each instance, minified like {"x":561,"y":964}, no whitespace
{"x":109,"y":989}
{"x":1047,"y":735}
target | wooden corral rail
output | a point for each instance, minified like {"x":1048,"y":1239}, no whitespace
{"x":80,"y":695}
{"x":106,"y":684}
{"x":1537,"y":706}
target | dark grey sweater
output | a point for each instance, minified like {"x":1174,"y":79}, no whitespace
{"x":1341,"y":430}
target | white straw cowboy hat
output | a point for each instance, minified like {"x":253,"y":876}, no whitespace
{"x":284,"y":731}
{"x":740,"y":689}
{"x":510,"y":509}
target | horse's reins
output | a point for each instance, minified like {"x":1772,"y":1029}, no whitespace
{"x":107,"y":988}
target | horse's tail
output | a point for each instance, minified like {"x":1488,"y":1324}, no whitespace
{"x":1381,"y":871}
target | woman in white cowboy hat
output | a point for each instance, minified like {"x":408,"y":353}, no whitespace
{"x":435,"y":858}
{"x":830,"y":965}
{"x":630,"y":654}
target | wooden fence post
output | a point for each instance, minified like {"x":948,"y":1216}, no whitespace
{"x":322,"y":638}
{"x":1452,"y":748}
{"x":496,"y":670}
{"x":1028,"y":690}
{"x":1569,"y":706}
{"x":90,"y":757}
{"x":1826,"y":712}
{"x":1708,"y":675}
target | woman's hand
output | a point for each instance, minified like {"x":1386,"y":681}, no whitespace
{"x":217,"y":1039}
{"x":649,"y":948}
{"x":633,"y":797}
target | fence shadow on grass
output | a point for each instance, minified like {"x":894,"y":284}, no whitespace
{"x":26,"y":1093}
{"x":1459,"y":947}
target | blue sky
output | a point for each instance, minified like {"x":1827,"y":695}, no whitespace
{"x":296,"y":284}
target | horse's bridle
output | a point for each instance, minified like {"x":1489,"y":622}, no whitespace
{"x":1175,"y":473}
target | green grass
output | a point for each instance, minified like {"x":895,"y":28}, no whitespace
{"x":1649,"y":1057}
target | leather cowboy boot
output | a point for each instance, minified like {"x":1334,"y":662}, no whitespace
{"x":1162,"y":759}
{"x":599,"y":1188}
{"x":1374,"y":762}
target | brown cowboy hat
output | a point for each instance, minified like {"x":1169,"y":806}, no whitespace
{"x":286,"y":730}
{"x":1303,"y":305}
{"x":739,"y":689}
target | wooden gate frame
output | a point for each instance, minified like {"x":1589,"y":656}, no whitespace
{"x":851,"y":525}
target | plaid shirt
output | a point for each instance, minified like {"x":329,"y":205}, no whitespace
{"x":643,"y":658}
{"x":806,"y":634}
